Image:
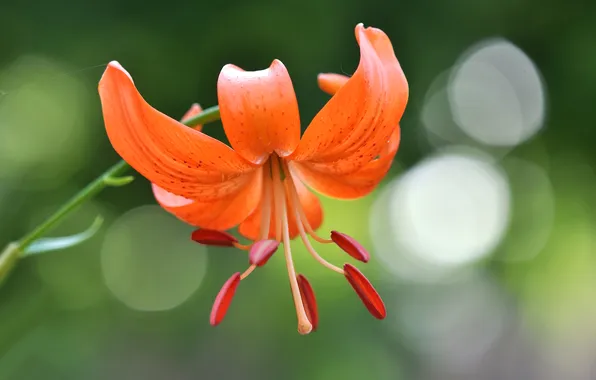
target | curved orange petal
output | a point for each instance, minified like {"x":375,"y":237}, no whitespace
{"x":353,"y":185}
{"x":355,"y":124}
{"x":331,"y":82}
{"x":259,"y":111}
{"x":311,"y":205}
{"x":179,"y":159}
{"x":220,"y":214}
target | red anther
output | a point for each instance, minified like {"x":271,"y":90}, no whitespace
{"x":261,"y":251}
{"x":350,"y":246}
{"x":309,"y":301}
{"x":223,"y":299}
{"x":213,"y":237}
{"x":365,"y":291}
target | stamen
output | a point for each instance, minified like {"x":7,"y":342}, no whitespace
{"x":311,"y":232}
{"x":243,"y":246}
{"x":293,"y":201}
{"x":266,"y":202}
{"x":301,"y":212}
{"x":367,"y":293}
{"x":350,"y":246}
{"x":310,"y":302}
{"x":304,"y":324}
{"x":261,"y":251}
{"x":213,"y":237}
{"x":223,"y":299}
{"x":247,"y":272}
{"x":277,"y":196}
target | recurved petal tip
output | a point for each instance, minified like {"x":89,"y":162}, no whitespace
{"x":331,"y":82}
{"x":213,"y":237}
{"x":223,"y":299}
{"x":367,"y":293}
{"x":350,"y":246}
{"x":115,"y":66}
{"x":261,"y":251}
{"x":194,"y":110}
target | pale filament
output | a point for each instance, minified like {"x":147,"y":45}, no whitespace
{"x":247,"y":272}
{"x":277,"y":196}
{"x":301,"y":212}
{"x":293,"y":205}
{"x":265,"y":216}
{"x":266,"y":202}
{"x":304,"y":325}
{"x":241,"y":246}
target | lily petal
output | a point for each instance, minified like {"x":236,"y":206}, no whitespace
{"x":354,"y":126}
{"x":310,"y":203}
{"x":179,"y":159}
{"x":220,"y":214}
{"x":331,"y":82}
{"x":352,"y":185}
{"x":259,"y":111}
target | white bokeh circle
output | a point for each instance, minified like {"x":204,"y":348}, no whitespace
{"x":448,"y":211}
{"x":452,"y":326}
{"x":496,"y":94}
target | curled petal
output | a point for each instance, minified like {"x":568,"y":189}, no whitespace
{"x":219,"y":214}
{"x":179,"y":159}
{"x":309,"y":301}
{"x":331,"y":83}
{"x":223,"y":299}
{"x":367,"y":293}
{"x":353,"y":127}
{"x":353,"y":185}
{"x":259,"y":111}
{"x":261,"y":251}
{"x":212,"y":237}
{"x":350,"y":246}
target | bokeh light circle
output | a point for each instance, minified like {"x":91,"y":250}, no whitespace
{"x":44,"y":127}
{"x":496,"y":94}
{"x":452,"y":326}
{"x":532,"y":210}
{"x":149,"y":261}
{"x":449,"y":211}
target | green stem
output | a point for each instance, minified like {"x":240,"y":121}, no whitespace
{"x":87,"y":193}
{"x":109,"y":178}
{"x":208,"y":115}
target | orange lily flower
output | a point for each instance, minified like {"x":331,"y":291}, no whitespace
{"x":260,"y":183}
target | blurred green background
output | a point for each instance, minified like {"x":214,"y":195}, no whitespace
{"x":482,"y":235}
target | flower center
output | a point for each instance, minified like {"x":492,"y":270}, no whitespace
{"x":279,"y":181}
{"x":280,"y":199}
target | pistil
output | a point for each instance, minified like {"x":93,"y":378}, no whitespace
{"x":281,"y":214}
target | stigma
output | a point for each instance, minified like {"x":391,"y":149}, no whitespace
{"x":281,"y":206}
